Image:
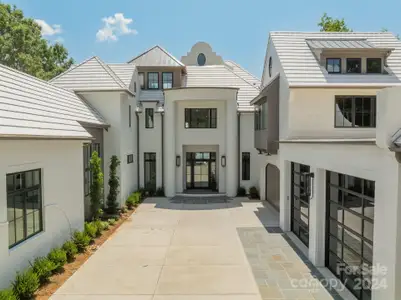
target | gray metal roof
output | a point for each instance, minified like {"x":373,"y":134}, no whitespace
{"x":301,"y":67}
{"x":30,"y":107}
{"x":340,"y":44}
{"x":147,"y":95}
{"x":90,"y":75}
{"x":156,"y":57}
{"x":222,"y":76}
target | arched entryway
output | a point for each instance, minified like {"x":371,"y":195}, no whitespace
{"x":272,"y":185}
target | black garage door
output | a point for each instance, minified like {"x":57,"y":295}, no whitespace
{"x":349,"y":244}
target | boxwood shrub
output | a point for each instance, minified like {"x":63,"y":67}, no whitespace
{"x":58,"y":257}
{"x":44,"y":268}
{"x":26,"y":284}
{"x":7,"y":295}
{"x":81,"y":240}
{"x":70,"y":249}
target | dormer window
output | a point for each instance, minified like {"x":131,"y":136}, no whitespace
{"x":373,"y":65}
{"x":354,"y":65}
{"x":333,"y":65}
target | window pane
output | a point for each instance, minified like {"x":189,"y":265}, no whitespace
{"x":367,"y":251}
{"x":11,"y":233}
{"x":167,"y":80}
{"x":36,"y":177}
{"x":335,"y":247}
{"x":369,"y":188}
{"x":351,"y":258}
{"x":368,"y":230}
{"x":369,"y":209}
{"x":353,"y":221}
{"x":336,"y":230}
{"x":334,"y":65}
{"x":28,"y":179}
{"x":352,"y":241}
{"x":200,"y":118}
{"x":10,"y":208}
{"x":353,"y":203}
{"x":30,"y":224}
{"x":153,"y":80}
{"x":18,"y":181}
{"x":343,"y":112}
{"x":38,"y":218}
{"x":373,"y":65}
{"x":353,"y":65}
{"x":19,"y":227}
{"x":336,"y":212}
{"x":149,"y":117}
{"x":10,"y":183}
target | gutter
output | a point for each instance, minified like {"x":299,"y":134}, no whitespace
{"x":162,"y":123}
{"x":137,"y":149}
{"x":239,"y":148}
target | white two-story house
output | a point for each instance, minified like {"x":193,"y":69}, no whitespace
{"x":325,"y":121}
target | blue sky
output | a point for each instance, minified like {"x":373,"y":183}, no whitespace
{"x":236,"y":29}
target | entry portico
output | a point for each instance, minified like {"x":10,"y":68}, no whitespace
{"x":221,"y":140}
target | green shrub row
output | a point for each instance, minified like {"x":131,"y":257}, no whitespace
{"x":27,"y":282}
{"x":133,"y":200}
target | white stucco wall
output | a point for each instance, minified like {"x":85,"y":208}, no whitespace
{"x":61,"y":163}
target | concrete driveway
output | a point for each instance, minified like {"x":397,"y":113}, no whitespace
{"x":178,"y":251}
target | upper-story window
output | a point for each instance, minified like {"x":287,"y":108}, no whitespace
{"x":355,"y":111}
{"x":167,"y":79}
{"x":141,"y":80}
{"x":201,"y":59}
{"x":333,"y":65}
{"x":149,"y":118}
{"x":261,"y":117}
{"x":354,"y":65}
{"x":373,"y":65}
{"x":153,"y":80}
{"x":201,"y":118}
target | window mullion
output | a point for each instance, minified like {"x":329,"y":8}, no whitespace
{"x":24,"y":215}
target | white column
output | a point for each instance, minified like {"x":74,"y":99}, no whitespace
{"x":231,"y":168}
{"x":285,"y":194}
{"x":317,"y":218}
{"x":169,"y":148}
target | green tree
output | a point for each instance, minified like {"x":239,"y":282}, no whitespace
{"x":96,"y":188}
{"x":114,"y":184}
{"x":329,"y":24}
{"x":22,"y":46}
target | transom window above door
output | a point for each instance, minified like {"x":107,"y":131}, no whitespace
{"x":201,"y":118}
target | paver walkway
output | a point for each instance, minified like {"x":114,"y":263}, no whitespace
{"x":187,"y":251}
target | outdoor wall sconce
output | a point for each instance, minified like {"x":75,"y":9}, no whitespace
{"x":223,"y":161}
{"x":308,"y":179}
{"x":178,"y":160}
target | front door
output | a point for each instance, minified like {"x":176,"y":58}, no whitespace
{"x":201,"y":170}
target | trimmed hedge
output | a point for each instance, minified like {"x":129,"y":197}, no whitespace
{"x":81,"y":240}
{"x":26,"y":284}
{"x":44,"y":268}
{"x":70,"y":249}
{"x":59,"y":257}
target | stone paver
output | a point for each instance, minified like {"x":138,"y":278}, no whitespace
{"x":195,"y":249}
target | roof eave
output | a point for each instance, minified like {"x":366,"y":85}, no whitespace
{"x":45,"y":137}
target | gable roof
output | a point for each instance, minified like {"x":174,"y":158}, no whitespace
{"x":30,"y":107}
{"x":90,"y":75}
{"x":124,"y":71}
{"x":244,"y":74}
{"x":301,"y":68}
{"x":156,"y":56}
{"x":223,"y":76}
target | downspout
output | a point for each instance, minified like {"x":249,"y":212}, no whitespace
{"x":239,"y":147}
{"x":162,"y":123}
{"x":137,"y":149}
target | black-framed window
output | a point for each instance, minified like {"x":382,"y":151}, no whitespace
{"x":246,"y":166}
{"x":150,"y":170}
{"x":141,"y":76}
{"x":149,"y":115}
{"x":355,"y":111}
{"x":350,"y":213}
{"x":257,"y":119}
{"x":354,"y":65}
{"x":333,"y":65}
{"x":167,"y":80}
{"x":88,"y":149}
{"x":373,"y":65}
{"x":24,"y":206}
{"x":134,"y":86}
{"x":130,"y":158}
{"x":261,"y":116}
{"x":129,"y":115}
{"x":153,"y":80}
{"x":201,"y":118}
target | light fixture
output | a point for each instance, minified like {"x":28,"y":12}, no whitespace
{"x":223,"y":161}
{"x":139,"y":108}
{"x":178,"y":160}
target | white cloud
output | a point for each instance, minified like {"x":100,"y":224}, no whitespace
{"x":48,"y":29}
{"x":114,"y":26}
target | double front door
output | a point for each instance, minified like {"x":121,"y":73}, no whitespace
{"x":201,"y":170}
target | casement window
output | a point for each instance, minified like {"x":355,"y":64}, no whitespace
{"x":88,"y":149}
{"x":261,"y":116}
{"x":130,"y":158}
{"x":201,"y":118}
{"x":129,"y":115}
{"x":24,"y":206}
{"x":246,"y":166}
{"x":354,"y":65}
{"x":167,"y":79}
{"x":149,"y":118}
{"x":153,"y":80}
{"x":373,"y":65}
{"x":141,"y":80}
{"x":150,"y":170}
{"x":333,"y":65}
{"x":134,"y":86}
{"x":355,"y":111}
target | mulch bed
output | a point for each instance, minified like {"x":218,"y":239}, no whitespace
{"x":57,"y":280}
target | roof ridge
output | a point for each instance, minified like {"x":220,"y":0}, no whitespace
{"x":251,"y":84}
{"x":243,"y":69}
{"x":162,"y":49}
{"x":111,"y":73}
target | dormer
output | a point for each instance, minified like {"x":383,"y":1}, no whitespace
{"x":350,"y":56}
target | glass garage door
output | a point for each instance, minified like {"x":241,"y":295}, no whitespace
{"x":349,"y":245}
{"x":299,"y":203}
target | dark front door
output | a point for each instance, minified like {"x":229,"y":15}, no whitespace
{"x":201,"y":170}
{"x":299,"y":202}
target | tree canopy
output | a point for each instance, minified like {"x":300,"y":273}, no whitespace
{"x":22,"y":46}
{"x":329,"y":24}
